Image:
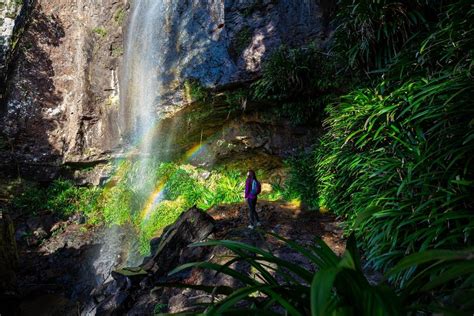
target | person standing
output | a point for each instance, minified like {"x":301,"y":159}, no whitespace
{"x":252,"y":189}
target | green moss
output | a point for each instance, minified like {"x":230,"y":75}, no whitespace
{"x":119,"y":16}
{"x":117,"y":51}
{"x":101,"y":31}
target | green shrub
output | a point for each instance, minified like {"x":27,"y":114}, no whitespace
{"x":339,"y":286}
{"x":442,"y":282}
{"x":277,"y":193}
{"x":195,"y":92}
{"x":119,"y":205}
{"x":370,"y":34}
{"x":229,"y":186}
{"x":301,"y":180}
{"x":302,"y":112}
{"x":242,"y":39}
{"x":181,"y":183}
{"x":62,"y":197}
{"x":296,"y":74}
{"x":397,"y":165}
{"x":182,"y":186}
{"x":31,"y":201}
{"x":163,"y":215}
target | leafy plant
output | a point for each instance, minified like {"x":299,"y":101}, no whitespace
{"x":30,"y":201}
{"x":443,"y":281}
{"x":195,"y":92}
{"x":301,"y":180}
{"x":118,"y":205}
{"x":163,"y":215}
{"x":370,"y":34}
{"x":62,"y":197}
{"x":296,"y":73}
{"x":397,"y":165}
{"x":119,"y":16}
{"x":242,"y":39}
{"x":337,"y":288}
{"x":159,"y":308}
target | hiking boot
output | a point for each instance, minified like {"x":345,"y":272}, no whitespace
{"x":250,"y":226}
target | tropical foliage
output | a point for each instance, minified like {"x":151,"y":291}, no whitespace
{"x":337,"y":287}
{"x":148,"y":204}
{"x":370,"y":34}
{"x":399,"y":163}
{"x":61,"y":197}
{"x":297,"y":82}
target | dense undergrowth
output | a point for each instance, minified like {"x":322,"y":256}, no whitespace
{"x":338,"y":286}
{"x":396,"y":159}
{"x":149,"y":204}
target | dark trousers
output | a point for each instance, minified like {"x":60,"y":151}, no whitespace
{"x":252,"y":211}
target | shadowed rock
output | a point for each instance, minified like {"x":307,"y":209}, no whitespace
{"x":192,"y":226}
{"x":8,"y":254}
{"x":115,"y":297}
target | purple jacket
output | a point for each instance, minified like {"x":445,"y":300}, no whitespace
{"x":248,"y":189}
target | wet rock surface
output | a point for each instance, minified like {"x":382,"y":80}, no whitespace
{"x":62,"y":102}
{"x":59,"y":268}
{"x":192,"y":226}
{"x":13,"y":17}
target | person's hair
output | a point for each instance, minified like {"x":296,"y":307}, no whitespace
{"x":252,"y":174}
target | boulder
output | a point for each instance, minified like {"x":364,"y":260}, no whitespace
{"x":168,"y":251}
{"x":128,"y":276}
{"x":113,"y":305}
{"x":192,"y":226}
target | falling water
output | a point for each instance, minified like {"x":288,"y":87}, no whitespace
{"x":141,"y":76}
{"x":141,"y":91}
{"x":164,"y":41}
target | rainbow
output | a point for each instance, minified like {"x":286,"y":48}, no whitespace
{"x":155,"y":197}
{"x":191,"y":153}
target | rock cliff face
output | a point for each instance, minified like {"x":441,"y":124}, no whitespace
{"x":62,"y":104}
{"x":62,"y":101}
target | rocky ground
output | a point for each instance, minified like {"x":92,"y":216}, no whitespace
{"x":62,"y":262}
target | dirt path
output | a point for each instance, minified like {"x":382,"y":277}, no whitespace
{"x":284,"y":219}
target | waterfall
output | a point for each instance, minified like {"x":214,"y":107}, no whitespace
{"x":140,"y":83}
{"x":165,"y":41}
{"x":141,"y":89}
